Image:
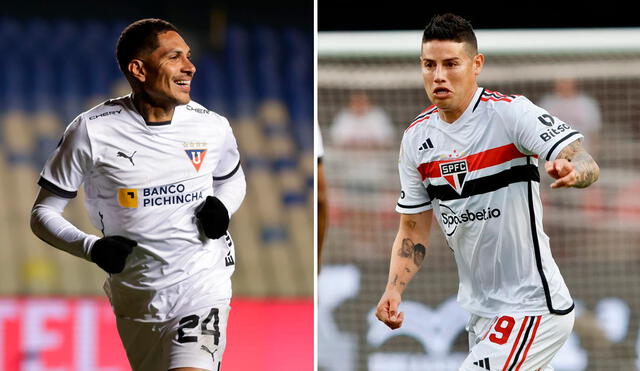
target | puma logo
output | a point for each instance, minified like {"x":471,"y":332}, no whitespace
{"x":206,"y":349}
{"x":130,"y":158}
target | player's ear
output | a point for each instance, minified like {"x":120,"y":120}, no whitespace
{"x":136,"y":69}
{"x":478,"y":63}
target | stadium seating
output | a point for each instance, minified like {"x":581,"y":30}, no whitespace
{"x":262,"y":80}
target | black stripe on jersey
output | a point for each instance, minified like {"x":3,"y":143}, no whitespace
{"x":478,"y":101}
{"x":42,"y":182}
{"x":414,"y":206}
{"x":522,"y":173}
{"x":158,"y":123}
{"x":536,"y":249}
{"x":498,"y":95}
{"x":422,"y":115}
{"x":558,"y":143}
{"x":522,"y":344}
{"x":224,"y":177}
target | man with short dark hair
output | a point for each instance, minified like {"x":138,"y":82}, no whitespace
{"x":471,"y":161}
{"x":162,"y":177}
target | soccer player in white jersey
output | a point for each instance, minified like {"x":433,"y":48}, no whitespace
{"x":161,"y":176}
{"x":470,"y":161}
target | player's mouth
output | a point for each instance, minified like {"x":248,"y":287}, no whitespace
{"x":183,"y":85}
{"x":442,"y":92}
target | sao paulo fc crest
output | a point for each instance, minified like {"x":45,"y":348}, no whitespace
{"x":454,"y":173}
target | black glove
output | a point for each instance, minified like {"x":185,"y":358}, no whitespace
{"x":213,"y":217}
{"x":110,"y":253}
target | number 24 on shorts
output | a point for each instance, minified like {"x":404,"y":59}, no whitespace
{"x":192,"y":321}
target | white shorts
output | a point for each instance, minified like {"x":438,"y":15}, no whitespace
{"x":510,"y":343}
{"x":195,"y":339}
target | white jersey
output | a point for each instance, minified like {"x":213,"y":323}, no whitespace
{"x":145,"y":182}
{"x":480,"y":176}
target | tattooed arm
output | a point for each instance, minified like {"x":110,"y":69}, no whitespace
{"x":573,"y":167}
{"x":408,"y":253}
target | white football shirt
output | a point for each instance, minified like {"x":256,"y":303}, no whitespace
{"x":146,"y":182}
{"x":480,"y":176}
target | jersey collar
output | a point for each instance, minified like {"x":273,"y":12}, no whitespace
{"x":466,"y":115}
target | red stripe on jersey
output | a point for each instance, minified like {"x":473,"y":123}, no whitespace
{"x":515,"y":344}
{"x":428,"y":108}
{"x":533,"y":336}
{"x":431,"y":108}
{"x":501,"y":99}
{"x":417,"y":122}
{"x":477,"y":161}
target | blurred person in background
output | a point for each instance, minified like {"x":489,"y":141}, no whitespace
{"x":571,"y":105}
{"x":471,"y":160}
{"x":361,"y":125}
{"x":162,"y":177}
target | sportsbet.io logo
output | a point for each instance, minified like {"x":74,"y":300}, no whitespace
{"x":551,"y":132}
{"x":451,"y":220}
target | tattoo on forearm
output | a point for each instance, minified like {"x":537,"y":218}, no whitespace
{"x":395,"y":280}
{"x":587,"y":171}
{"x":411,"y":224}
{"x":419,"y":251}
{"x":413,"y":251}
{"x":406,"y":250}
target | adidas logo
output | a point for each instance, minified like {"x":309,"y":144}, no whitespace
{"x":483,"y":363}
{"x":426,"y":145}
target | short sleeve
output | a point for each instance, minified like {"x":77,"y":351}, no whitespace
{"x":229,"y":158}
{"x":536,"y":131}
{"x":413,"y":193}
{"x":65,"y":170}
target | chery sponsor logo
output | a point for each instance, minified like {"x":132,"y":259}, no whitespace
{"x":451,"y":219}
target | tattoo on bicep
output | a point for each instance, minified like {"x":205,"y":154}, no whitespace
{"x":587,"y":171}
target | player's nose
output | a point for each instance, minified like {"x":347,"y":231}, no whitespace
{"x":439,"y":74}
{"x":188,"y":66}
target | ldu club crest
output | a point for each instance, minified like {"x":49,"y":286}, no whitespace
{"x":196,"y":156}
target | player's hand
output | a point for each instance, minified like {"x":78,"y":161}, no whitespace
{"x":387,"y":310}
{"x":110,"y":253}
{"x":563,"y":171}
{"x":214,"y":218}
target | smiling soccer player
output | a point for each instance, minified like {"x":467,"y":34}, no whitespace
{"x":162,"y":177}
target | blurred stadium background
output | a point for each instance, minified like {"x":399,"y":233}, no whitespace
{"x":255,"y":66}
{"x":595,"y":233}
